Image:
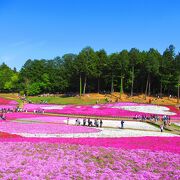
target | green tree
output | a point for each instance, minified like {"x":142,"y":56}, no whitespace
{"x":101,"y":64}
{"x":122,"y":63}
{"x":8,"y":78}
{"x":70,"y":71}
{"x":85,"y":65}
{"x":133,"y":58}
{"x":177,"y":65}
{"x":34,"y":88}
{"x":167,"y":69}
{"x":152,"y":68}
{"x":111,"y":70}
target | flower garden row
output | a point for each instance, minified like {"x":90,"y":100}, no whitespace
{"x":113,"y":110}
{"x":161,"y":144}
{"x":29,"y":123}
{"x":123,"y":109}
{"x":4,"y":101}
{"x":69,"y":161}
{"x":7,"y":104}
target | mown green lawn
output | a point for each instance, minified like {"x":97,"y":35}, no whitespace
{"x":176,"y":127}
{"x":64,"y":100}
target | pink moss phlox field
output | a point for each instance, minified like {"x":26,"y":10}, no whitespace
{"x":165,"y":144}
{"x":115,"y":110}
{"x":4,"y":101}
{"x":34,"y":161}
{"x":11,"y":107}
{"x":7,"y":104}
{"x":40,"y":117}
{"x":45,"y":128}
{"x":32,"y":123}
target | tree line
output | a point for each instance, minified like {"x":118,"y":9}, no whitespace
{"x":133,"y":72}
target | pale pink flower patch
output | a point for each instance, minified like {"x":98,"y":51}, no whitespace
{"x":67,"y":161}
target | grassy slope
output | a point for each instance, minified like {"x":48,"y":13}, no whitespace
{"x":64,"y":100}
{"x":92,"y":98}
{"x":176,"y":127}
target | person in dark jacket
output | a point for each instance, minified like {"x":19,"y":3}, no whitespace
{"x":122,"y":124}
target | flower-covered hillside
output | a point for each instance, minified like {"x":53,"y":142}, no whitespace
{"x":64,"y":161}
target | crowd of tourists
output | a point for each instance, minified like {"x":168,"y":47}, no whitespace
{"x":11,"y":110}
{"x":144,"y":117}
{"x":38,"y":111}
{"x":88,"y":122}
{"x":153,"y":117}
{"x":92,"y":123}
{"x":165,"y":119}
{"x":4,"y":111}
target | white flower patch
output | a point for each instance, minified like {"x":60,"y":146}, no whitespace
{"x":117,"y":124}
{"x":95,"y":106}
{"x":78,"y":107}
{"x":53,"y":107}
{"x":161,"y":110}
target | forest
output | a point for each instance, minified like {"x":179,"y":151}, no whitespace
{"x":133,"y":72}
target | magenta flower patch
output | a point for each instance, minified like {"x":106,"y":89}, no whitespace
{"x":4,"y":101}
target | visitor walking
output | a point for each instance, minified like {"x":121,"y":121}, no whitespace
{"x":97,"y":125}
{"x":101,"y":123}
{"x":122,"y":124}
{"x":162,"y":127}
{"x":77,"y":123}
{"x":84,"y":121}
{"x":88,"y":121}
{"x":67,"y":120}
{"x":95,"y":122}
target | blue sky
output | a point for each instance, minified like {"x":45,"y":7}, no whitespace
{"x":47,"y":28}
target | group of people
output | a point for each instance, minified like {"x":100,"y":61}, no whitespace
{"x":6,"y":110}
{"x":91,"y":123}
{"x":38,"y":111}
{"x":10,"y":110}
{"x":20,"y":110}
{"x":145,"y":117}
{"x":153,"y":117}
{"x":166,"y":120}
{"x":88,"y":122}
